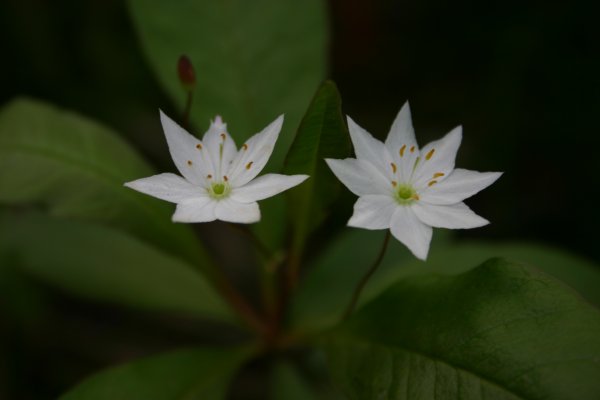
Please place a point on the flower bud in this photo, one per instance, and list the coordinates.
(186, 73)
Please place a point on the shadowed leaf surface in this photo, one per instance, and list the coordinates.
(201, 374)
(499, 331)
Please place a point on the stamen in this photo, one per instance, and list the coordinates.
(209, 176)
(402, 150)
(189, 162)
(199, 146)
(245, 146)
(223, 136)
(416, 197)
(393, 167)
(430, 154)
(225, 178)
(249, 165)
(431, 183)
(438, 174)
(394, 183)
(412, 149)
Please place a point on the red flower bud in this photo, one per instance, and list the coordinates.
(186, 73)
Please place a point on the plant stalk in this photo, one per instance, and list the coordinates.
(366, 277)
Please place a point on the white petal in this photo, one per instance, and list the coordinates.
(169, 187)
(373, 212)
(456, 216)
(220, 146)
(409, 230)
(459, 185)
(266, 186)
(233, 211)
(254, 154)
(402, 131)
(401, 143)
(367, 148)
(202, 210)
(438, 157)
(359, 176)
(188, 153)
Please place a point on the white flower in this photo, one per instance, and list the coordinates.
(218, 180)
(406, 189)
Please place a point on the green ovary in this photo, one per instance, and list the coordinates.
(219, 190)
(405, 194)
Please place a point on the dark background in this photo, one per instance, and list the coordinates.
(521, 77)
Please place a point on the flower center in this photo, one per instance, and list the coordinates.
(219, 190)
(405, 194)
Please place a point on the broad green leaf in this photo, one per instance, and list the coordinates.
(322, 134)
(254, 60)
(577, 272)
(73, 167)
(328, 285)
(202, 374)
(288, 384)
(102, 263)
(499, 331)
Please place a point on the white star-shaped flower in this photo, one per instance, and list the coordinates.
(406, 189)
(218, 180)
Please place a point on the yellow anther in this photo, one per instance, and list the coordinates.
(438, 174)
(245, 146)
(430, 154)
(394, 183)
(416, 197)
(225, 178)
(249, 165)
(189, 162)
(402, 150)
(431, 183)
(412, 149)
(393, 167)
(199, 146)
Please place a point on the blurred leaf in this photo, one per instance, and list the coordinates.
(202, 374)
(288, 384)
(74, 167)
(328, 286)
(499, 331)
(254, 60)
(322, 134)
(104, 264)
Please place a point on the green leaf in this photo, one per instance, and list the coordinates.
(73, 167)
(322, 134)
(254, 60)
(202, 373)
(577, 272)
(499, 331)
(288, 384)
(102, 263)
(328, 286)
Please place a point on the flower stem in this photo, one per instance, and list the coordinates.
(188, 109)
(239, 304)
(258, 244)
(268, 272)
(366, 277)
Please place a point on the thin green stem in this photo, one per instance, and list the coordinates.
(366, 277)
(256, 242)
(239, 303)
(188, 109)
